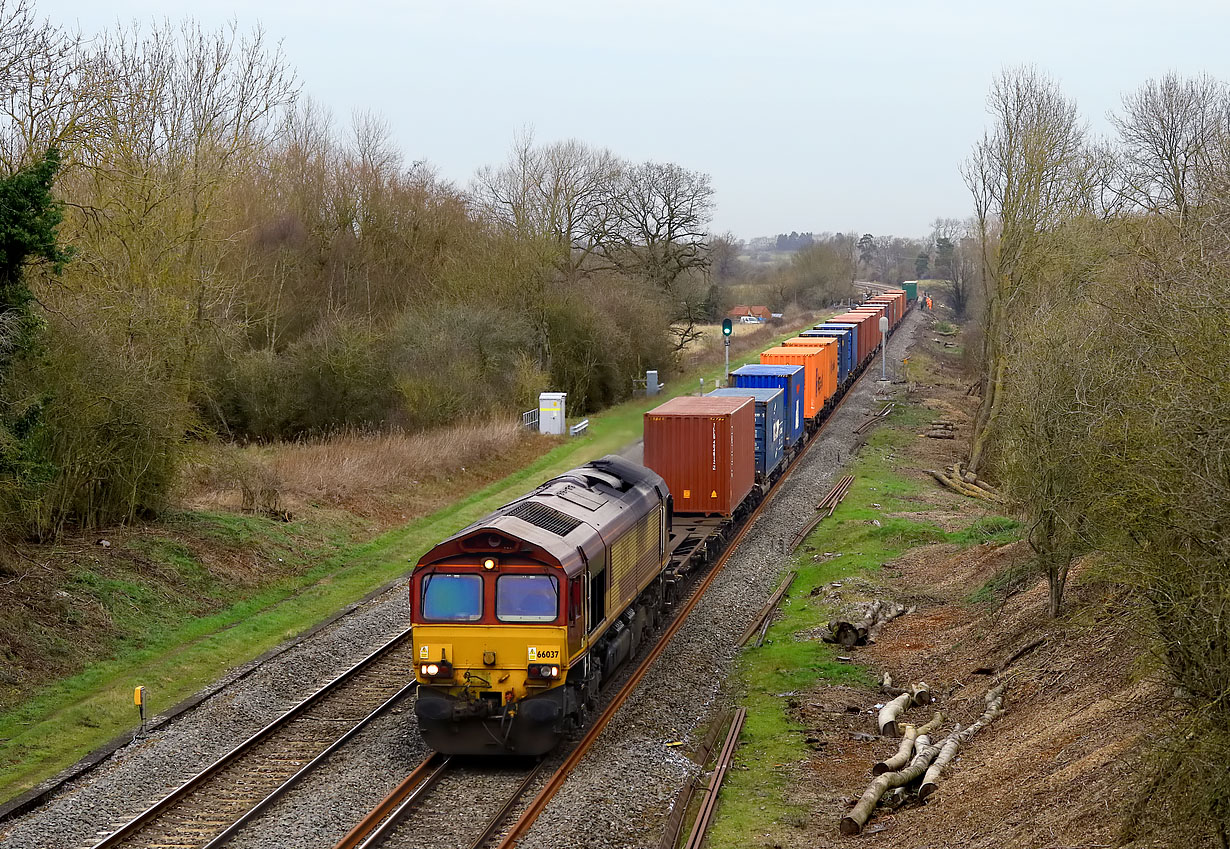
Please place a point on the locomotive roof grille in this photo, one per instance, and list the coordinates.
(547, 518)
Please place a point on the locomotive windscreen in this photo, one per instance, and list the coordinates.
(452, 598)
(527, 598)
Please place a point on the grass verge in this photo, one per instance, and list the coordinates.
(172, 649)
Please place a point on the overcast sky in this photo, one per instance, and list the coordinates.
(808, 115)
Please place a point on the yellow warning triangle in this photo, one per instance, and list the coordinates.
(713, 494)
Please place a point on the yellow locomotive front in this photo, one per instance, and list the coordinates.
(491, 640)
(519, 618)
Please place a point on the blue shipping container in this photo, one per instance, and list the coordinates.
(788, 378)
(845, 358)
(770, 425)
(853, 328)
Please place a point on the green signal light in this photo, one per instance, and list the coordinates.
(727, 327)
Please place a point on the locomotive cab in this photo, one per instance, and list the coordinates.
(492, 644)
(519, 617)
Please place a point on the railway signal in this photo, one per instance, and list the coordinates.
(728, 328)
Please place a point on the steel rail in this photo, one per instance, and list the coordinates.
(707, 807)
(264, 804)
(393, 801)
(179, 794)
(498, 820)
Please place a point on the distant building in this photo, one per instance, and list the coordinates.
(758, 313)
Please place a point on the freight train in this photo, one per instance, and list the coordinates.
(520, 618)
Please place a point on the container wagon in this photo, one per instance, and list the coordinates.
(845, 353)
(831, 370)
(789, 379)
(814, 362)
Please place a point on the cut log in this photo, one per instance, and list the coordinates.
(850, 633)
(891, 712)
(994, 700)
(902, 757)
(930, 725)
(947, 752)
(962, 487)
(887, 614)
(853, 822)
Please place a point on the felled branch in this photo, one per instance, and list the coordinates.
(919, 694)
(850, 634)
(994, 699)
(853, 822)
(953, 478)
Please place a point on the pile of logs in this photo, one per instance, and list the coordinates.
(850, 632)
(964, 482)
(941, 429)
(918, 763)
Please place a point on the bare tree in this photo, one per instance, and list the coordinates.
(1170, 136)
(50, 88)
(659, 235)
(1026, 176)
(558, 194)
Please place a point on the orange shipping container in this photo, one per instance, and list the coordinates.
(705, 450)
(832, 348)
(815, 364)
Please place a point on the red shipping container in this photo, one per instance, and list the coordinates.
(890, 306)
(705, 450)
(868, 330)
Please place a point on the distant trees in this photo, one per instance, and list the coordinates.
(958, 259)
(794, 241)
(244, 267)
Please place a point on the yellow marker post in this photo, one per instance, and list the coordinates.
(138, 699)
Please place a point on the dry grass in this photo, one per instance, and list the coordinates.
(343, 465)
(350, 469)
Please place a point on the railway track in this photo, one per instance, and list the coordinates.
(557, 779)
(208, 809)
(446, 802)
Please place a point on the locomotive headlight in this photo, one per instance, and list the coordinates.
(439, 669)
(554, 671)
(489, 563)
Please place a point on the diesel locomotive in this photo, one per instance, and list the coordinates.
(520, 617)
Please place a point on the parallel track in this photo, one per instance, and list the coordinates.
(210, 807)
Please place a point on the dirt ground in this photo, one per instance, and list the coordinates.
(1059, 768)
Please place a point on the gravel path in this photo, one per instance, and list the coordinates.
(621, 794)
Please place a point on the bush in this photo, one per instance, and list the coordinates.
(102, 425)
